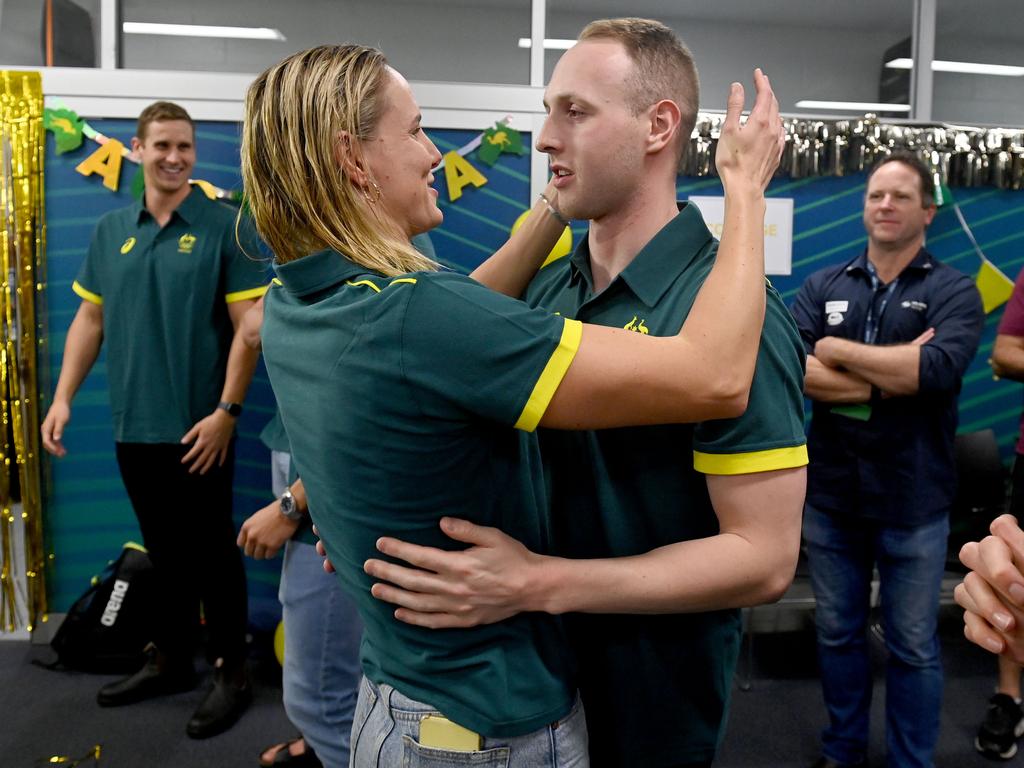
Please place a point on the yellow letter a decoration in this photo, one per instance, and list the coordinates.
(106, 161)
(458, 172)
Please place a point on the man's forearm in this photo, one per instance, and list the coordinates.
(242, 361)
(750, 562)
(827, 385)
(722, 571)
(81, 348)
(893, 369)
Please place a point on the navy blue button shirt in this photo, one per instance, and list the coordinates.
(896, 466)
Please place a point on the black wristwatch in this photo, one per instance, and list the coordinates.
(233, 409)
(288, 506)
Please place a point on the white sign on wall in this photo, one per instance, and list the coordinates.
(778, 229)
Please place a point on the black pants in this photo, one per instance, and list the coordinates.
(187, 527)
(1017, 489)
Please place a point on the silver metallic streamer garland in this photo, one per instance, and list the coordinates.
(963, 156)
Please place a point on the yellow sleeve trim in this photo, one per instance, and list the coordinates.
(748, 463)
(251, 293)
(89, 296)
(403, 280)
(551, 376)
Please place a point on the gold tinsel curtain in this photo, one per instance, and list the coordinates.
(22, 248)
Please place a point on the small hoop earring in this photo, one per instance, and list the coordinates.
(376, 193)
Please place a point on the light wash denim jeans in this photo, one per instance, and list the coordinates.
(387, 726)
(841, 554)
(322, 631)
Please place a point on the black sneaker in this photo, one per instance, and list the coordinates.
(1004, 724)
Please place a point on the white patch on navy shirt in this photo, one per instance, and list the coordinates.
(834, 318)
(917, 306)
(836, 306)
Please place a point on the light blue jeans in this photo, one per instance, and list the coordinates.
(322, 631)
(841, 553)
(387, 726)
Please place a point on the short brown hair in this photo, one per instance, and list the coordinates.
(158, 112)
(918, 166)
(663, 67)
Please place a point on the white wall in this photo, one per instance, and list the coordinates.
(801, 61)
(811, 49)
(440, 41)
(972, 99)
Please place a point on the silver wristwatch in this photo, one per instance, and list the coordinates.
(288, 506)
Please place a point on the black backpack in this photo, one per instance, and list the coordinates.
(107, 629)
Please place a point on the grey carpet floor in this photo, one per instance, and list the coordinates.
(773, 725)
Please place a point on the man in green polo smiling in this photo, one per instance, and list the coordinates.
(683, 523)
(164, 283)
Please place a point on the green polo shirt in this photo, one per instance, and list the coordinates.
(276, 439)
(656, 687)
(399, 396)
(164, 293)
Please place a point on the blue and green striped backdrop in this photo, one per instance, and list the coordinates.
(88, 516)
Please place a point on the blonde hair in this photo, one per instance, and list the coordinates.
(301, 197)
(663, 67)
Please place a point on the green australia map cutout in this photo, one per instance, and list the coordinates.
(66, 127)
(500, 139)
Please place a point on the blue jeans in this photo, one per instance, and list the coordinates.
(387, 728)
(322, 632)
(841, 553)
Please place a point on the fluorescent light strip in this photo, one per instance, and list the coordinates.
(853, 106)
(550, 43)
(201, 30)
(964, 67)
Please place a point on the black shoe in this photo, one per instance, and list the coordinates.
(159, 676)
(223, 705)
(827, 762)
(1004, 724)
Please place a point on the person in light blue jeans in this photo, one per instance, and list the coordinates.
(383, 710)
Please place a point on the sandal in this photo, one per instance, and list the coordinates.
(283, 756)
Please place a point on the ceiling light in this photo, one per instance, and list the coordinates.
(201, 30)
(550, 43)
(853, 106)
(965, 67)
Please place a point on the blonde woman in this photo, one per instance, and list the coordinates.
(409, 393)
